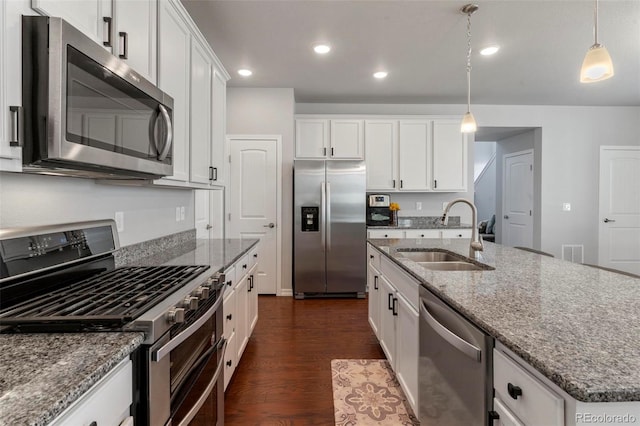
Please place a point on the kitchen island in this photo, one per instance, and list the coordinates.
(42, 375)
(578, 326)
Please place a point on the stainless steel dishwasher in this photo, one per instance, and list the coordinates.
(454, 370)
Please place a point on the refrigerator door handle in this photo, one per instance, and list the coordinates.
(323, 209)
(328, 216)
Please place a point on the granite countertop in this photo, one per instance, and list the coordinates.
(42, 374)
(579, 326)
(425, 222)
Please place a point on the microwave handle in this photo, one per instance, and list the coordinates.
(168, 140)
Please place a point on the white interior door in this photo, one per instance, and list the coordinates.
(517, 199)
(253, 195)
(619, 230)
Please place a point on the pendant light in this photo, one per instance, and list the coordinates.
(468, 124)
(597, 65)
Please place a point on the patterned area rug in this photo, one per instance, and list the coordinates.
(366, 392)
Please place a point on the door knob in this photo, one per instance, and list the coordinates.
(271, 225)
(506, 216)
(208, 227)
(606, 220)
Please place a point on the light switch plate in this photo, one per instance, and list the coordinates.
(418, 205)
(566, 207)
(182, 213)
(177, 214)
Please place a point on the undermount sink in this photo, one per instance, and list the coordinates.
(450, 266)
(441, 261)
(429, 256)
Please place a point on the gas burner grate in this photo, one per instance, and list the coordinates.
(104, 301)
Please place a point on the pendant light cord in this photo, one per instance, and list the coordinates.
(469, 62)
(595, 27)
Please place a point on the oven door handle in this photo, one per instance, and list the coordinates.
(171, 344)
(205, 395)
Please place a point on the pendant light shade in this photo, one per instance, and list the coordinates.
(468, 123)
(597, 64)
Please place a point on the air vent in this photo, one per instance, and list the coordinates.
(573, 253)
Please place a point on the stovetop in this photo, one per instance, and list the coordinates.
(105, 301)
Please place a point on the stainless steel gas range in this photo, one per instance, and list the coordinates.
(63, 278)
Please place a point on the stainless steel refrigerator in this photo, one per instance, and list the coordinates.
(330, 234)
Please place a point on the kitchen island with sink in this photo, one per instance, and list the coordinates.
(575, 328)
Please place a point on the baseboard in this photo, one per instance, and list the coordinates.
(286, 292)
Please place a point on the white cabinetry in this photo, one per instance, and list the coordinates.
(10, 77)
(327, 138)
(240, 309)
(381, 140)
(106, 403)
(419, 233)
(86, 15)
(422, 233)
(385, 233)
(173, 78)
(200, 107)
(134, 35)
(219, 130)
(395, 314)
(449, 157)
(414, 154)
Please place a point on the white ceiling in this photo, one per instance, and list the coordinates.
(422, 44)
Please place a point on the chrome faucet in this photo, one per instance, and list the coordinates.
(476, 240)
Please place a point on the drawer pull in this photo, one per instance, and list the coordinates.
(514, 391)
(370, 256)
(229, 316)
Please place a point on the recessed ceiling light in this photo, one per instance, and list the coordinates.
(245, 72)
(380, 74)
(322, 49)
(487, 51)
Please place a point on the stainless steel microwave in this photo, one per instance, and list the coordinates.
(86, 112)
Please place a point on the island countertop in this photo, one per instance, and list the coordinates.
(578, 326)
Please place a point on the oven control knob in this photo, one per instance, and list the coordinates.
(175, 315)
(190, 303)
(202, 293)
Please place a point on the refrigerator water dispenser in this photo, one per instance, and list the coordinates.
(310, 219)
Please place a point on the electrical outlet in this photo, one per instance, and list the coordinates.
(566, 207)
(182, 213)
(418, 205)
(177, 214)
(120, 221)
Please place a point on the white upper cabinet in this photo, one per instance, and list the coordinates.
(381, 140)
(219, 119)
(327, 138)
(134, 35)
(173, 78)
(10, 75)
(201, 91)
(347, 139)
(86, 15)
(414, 153)
(312, 138)
(449, 157)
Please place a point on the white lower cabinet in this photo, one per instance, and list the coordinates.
(526, 397)
(240, 309)
(385, 233)
(422, 233)
(106, 403)
(456, 233)
(419, 233)
(505, 417)
(393, 313)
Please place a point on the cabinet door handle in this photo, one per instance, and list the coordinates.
(324, 151)
(390, 302)
(395, 307)
(229, 316)
(394, 183)
(514, 391)
(125, 41)
(422, 235)
(332, 151)
(17, 135)
(401, 183)
(210, 173)
(229, 283)
(229, 363)
(107, 20)
(435, 184)
(375, 282)
(370, 256)
(255, 255)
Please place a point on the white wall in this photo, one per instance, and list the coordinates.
(28, 200)
(485, 192)
(269, 112)
(570, 143)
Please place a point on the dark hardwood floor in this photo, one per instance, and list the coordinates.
(284, 377)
